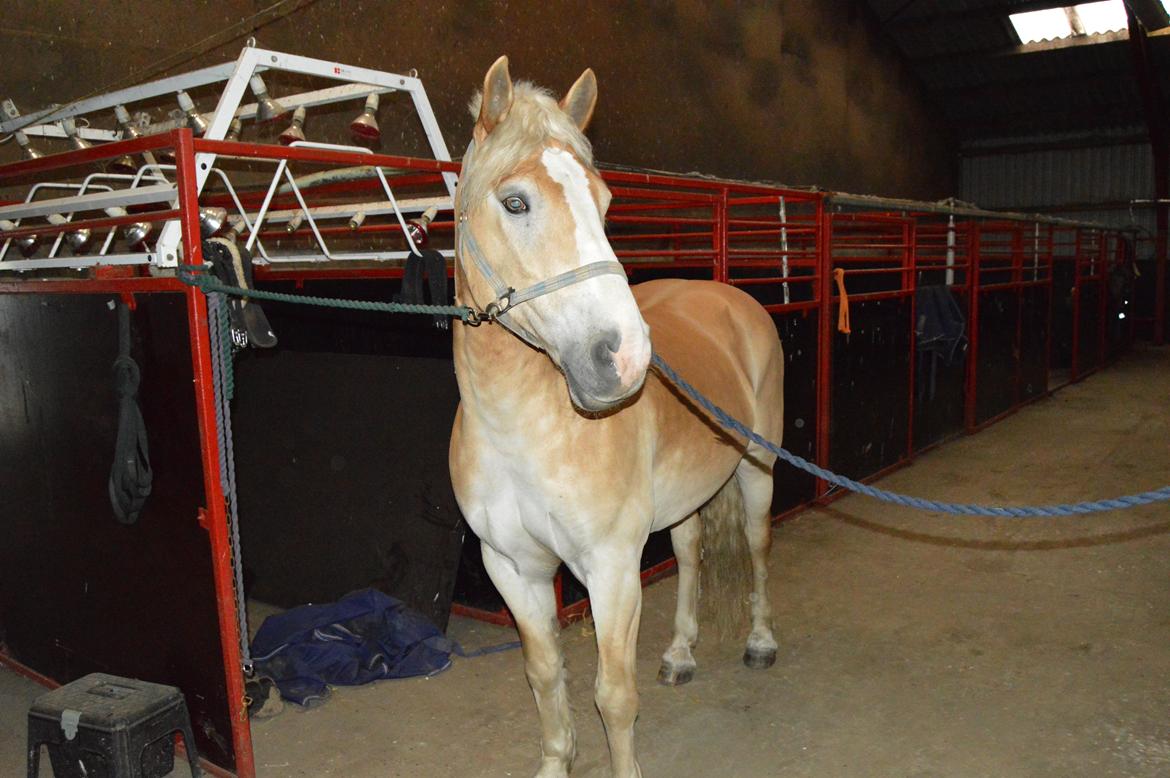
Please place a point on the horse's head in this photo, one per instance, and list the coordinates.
(532, 209)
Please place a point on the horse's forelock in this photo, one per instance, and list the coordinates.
(534, 119)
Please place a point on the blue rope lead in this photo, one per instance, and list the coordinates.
(960, 509)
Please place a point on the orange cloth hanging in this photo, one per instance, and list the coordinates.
(843, 308)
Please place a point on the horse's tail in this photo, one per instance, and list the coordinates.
(725, 572)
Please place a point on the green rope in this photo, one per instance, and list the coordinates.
(192, 276)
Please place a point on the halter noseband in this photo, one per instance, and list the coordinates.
(506, 297)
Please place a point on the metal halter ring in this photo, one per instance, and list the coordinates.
(492, 310)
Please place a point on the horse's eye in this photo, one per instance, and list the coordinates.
(515, 204)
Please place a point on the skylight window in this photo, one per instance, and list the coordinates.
(1072, 21)
(1100, 18)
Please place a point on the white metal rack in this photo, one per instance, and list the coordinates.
(154, 183)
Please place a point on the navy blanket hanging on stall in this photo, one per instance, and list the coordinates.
(940, 332)
(365, 636)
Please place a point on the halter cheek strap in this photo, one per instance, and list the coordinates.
(507, 297)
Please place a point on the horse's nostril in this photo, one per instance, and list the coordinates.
(604, 348)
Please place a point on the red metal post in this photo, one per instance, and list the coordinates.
(217, 525)
(825, 340)
(1018, 283)
(722, 273)
(1076, 308)
(973, 283)
(910, 285)
(1051, 251)
(1103, 299)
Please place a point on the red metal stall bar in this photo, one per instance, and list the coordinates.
(216, 510)
(770, 245)
(271, 152)
(98, 153)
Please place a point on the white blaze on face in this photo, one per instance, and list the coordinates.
(592, 246)
(588, 234)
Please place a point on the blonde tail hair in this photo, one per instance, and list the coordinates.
(725, 570)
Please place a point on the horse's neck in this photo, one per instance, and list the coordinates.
(505, 385)
(503, 382)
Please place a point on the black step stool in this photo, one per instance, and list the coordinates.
(103, 726)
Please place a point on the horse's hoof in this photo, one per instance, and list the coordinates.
(759, 659)
(675, 676)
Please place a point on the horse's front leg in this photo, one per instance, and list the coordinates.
(615, 596)
(531, 598)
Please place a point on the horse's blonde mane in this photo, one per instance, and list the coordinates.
(533, 120)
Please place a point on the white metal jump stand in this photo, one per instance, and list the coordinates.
(154, 183)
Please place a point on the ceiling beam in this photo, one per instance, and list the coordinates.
(1001, 11)
(991, 87)
(953, 58)
(1149, 12)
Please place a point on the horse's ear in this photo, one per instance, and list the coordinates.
(581, 99)
(497, 98)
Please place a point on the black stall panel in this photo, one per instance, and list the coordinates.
(1120, 310)
(1033, 342)
(1144, 300)
(80, 592)
(870, 393)
(1063, 279)
(798, 335)
(341, 438)
(996, 360)
(638, 275)
(940, 388)
(1089, 336)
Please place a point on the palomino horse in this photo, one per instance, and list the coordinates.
(544, 475)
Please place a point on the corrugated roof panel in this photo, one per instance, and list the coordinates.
(1035, 179)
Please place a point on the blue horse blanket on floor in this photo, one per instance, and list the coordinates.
(365, 636)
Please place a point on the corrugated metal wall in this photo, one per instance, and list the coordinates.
(1045, 180)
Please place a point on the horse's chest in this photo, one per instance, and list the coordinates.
(513, 498)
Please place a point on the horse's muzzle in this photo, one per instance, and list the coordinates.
(602, 373)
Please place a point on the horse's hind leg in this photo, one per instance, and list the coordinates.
(678, 663)
(755, 480)
(533, 605)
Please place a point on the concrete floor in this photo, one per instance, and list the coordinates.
(911, 644)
